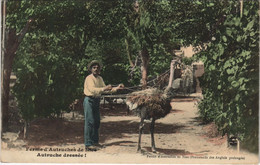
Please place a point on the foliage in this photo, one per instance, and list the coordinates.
(230, 83)
(148, 29)
(65, 36)
(44, 84)
(48, 74)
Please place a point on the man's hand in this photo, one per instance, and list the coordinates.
(120, 86)
(107, 88)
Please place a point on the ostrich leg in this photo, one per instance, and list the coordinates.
(152, 134)
(141, 126)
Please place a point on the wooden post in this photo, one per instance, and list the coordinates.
(25, 130)
(171, 73)
(238, 145)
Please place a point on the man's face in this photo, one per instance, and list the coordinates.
(95, 69)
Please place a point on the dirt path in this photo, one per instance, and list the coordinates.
(179, 133)
(179, 138)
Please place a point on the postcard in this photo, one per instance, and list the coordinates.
(129, 82)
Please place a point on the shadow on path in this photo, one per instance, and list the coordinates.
(168, 151)
(60, 132)
(121, 129)
(122, 143)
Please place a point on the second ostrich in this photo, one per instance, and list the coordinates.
(150, 104)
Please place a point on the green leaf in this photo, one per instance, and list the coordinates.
(252, 34)
(224, 126)
(30, 68)
(212, 67)
(237, 97)
(230, 71)
(250, 25)
(224, 38)
(230, 123)
(242, 87)
(221, 49)
(246, 11)
(229, 31)
(210, 5)
(242, 80)
(215, 56)
(235, 84)
(227, 64)
(245, 53)
(237, 21)
(239, 38)
(198, 3)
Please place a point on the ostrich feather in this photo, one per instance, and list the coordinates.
(149, 103)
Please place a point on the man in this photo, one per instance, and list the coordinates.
(94, 86)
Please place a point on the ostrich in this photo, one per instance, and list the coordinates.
(150, 104)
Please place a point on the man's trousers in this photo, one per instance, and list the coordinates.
(92, 120)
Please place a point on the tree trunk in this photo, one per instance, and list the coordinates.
(144, 54)
(128, 53)
(7, 68)
(12, 43)
(9, 54)
(241, 8)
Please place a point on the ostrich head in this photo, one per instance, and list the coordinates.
(169, 92)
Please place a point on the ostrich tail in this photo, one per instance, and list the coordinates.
(149, 103)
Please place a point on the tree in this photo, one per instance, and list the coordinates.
(51, 54)
(150, 31)
(12, 42)
(57, 51)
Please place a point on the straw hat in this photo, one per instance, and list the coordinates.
(94, 62)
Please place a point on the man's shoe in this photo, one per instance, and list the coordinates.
(91, 148)
(98, 145)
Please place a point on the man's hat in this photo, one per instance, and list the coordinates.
(94, 62)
